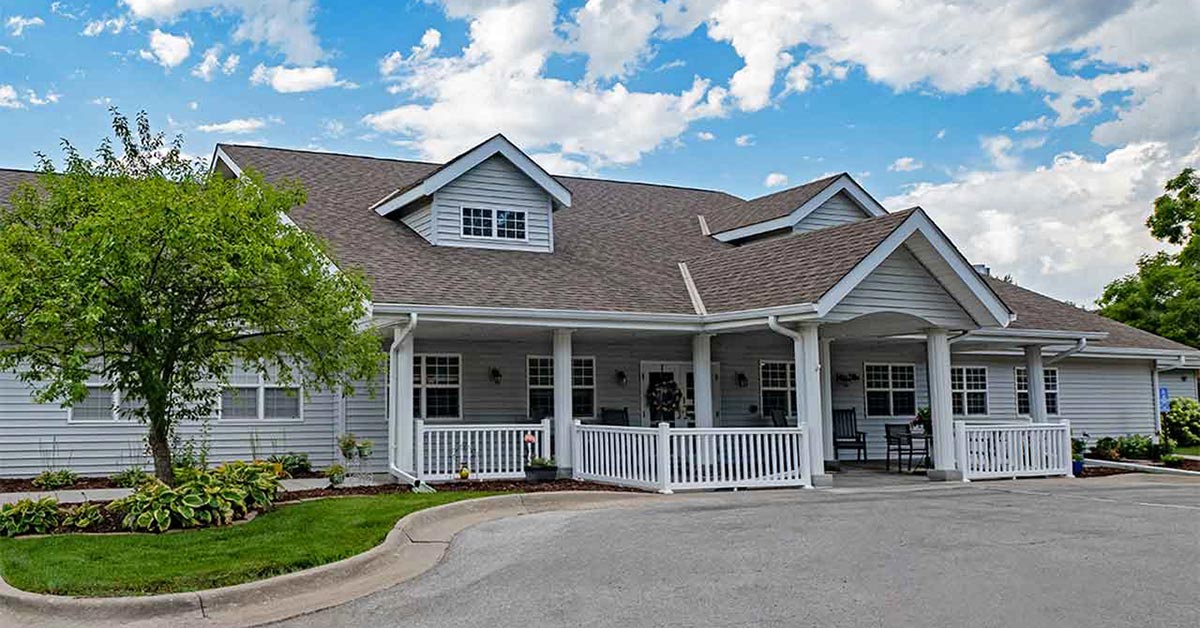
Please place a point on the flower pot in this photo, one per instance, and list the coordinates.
(1076, 467)
(541, 474)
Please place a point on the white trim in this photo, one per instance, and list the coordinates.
(220, 155)
(495, 222)
(987, 392)
(704, 230)
(844, 183)
(693, 293)
(419, 389)
(465, 162)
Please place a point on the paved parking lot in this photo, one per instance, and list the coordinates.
(1114, 551)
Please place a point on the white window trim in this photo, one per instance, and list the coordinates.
(793, 399)
(987, 391)
(529, 386)
(889, 389)
(115, 413)
(419, 389)
(495, 236)
(1057, 391)
(260, 389)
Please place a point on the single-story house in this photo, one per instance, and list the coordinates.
(513, 302)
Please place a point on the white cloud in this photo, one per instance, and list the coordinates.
(102, 101)
(1066, 228)
(286, 25)
(62, 10)
(744, 140)
(905, 164)
(6, 50)
(395, 61)
(940, 134)
(166, 49)
(1040, 123)
(293, 80)
(671, 65)
(333, 129)
(211, 63)
(775, 179)
(48, 98)
(193, 105)
(705, 136)
(112, 25)
(18, 23)
(614, 35)
(239, 126)
(9, 98)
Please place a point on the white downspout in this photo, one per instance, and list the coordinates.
(401, 335)
(1182, 363)
(1080, 345)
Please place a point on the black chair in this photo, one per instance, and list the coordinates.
(777, 418)
(901, 438)
(846, 434)
(614, 416)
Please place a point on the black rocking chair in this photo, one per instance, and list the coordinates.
(846, 434)
(901, 438)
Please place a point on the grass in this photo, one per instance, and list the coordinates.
(1188, 451)
(291, 538)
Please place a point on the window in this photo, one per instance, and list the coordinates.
(507, 224)
(777, 383)
(251, 397)
(891, 389)
(969, 390)
(1050, 381)
(437, 386)
(102, 404)
(540, 379)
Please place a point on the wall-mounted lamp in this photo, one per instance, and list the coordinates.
(495, 375)
(742, 380)
(622, 378)
(845, 378)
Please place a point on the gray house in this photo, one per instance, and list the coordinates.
(654, 336)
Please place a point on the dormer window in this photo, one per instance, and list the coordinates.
(503, 224)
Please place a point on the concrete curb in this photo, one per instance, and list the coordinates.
(415, 544)
(1144, 468)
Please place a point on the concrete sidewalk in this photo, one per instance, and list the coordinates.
(69, 496)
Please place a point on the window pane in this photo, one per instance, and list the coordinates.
(1051, 403)
(1022, 380)
(1022, 403)
(582, 404)
(97, 406)
(281, 403)
(877, 376)
(956, 403)
(510, 224)
(583, 372)
(477, 222)
(417, 370)
(975, 378)
(879, 403)
(239, 403)
(441, 370)
(541, 403)
(775, 375)
(541, 371)
(775, 400)
(904, 403)
(1050, 377)
(956, 379)
(441, 403)
(977, 403)
(904, 377)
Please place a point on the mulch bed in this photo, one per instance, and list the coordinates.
(25, 485)
(1099, 472)
(497, 486)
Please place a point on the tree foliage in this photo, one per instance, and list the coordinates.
(148, 271)
(1163, 296)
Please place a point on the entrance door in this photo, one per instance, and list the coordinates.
(654, 373)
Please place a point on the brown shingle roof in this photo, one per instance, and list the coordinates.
(764, 208)
(10, 179)
(789, 269)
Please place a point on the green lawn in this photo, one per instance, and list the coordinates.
(1188, 451)
(290, 538)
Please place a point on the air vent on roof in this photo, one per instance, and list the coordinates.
(983, 269)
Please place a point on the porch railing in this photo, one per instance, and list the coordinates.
(668, 459)
(1012, 450)
(490, 452)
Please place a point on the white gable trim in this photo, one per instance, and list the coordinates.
(219, 155)
(498, 145)
(993, 311)
(842, 184)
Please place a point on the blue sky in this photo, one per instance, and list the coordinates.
(1037, 136)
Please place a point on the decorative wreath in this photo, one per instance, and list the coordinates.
(665, 398)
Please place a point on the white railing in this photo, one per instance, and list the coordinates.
(1012, 450)
(489, 452)
(668, 459)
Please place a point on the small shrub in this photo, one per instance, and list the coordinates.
(1106, 449)
(1134, 446)
(132, 477)
(1182, 422)
(54, 480)
(293, 463)
(82, 517)
(1078, 448)
(259, 480)
(541, 463)
(29, 516)
(336, 474)
(207, 498)
(1165, 446)
(1173, 461)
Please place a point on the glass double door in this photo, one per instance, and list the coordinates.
(657, 374)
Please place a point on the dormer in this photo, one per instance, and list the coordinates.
(491, 197)
(827, 202)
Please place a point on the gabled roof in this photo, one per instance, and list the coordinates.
(785, 208)
(10, 179)
(453, 169)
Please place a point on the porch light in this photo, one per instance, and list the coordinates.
(845, 378)
(622, 378)
(494, 375)
(742, 380)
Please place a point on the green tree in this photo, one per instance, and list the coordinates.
(1163, 296)
(147, 270)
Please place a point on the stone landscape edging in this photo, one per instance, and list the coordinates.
(1144, 468)
(415, 544)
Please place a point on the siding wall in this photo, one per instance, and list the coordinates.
(1179, 383)
(902, 284)
(493, 184)
(421, 221)
(838, 210)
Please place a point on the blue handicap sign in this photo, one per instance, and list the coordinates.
(1164, 400)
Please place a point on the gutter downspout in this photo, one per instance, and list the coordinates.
(393, 399)
(773, 323)
(1179, 365)
(1080, 345)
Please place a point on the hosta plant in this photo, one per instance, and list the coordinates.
(29, 516)
(259, 480)
(292, 463)
(132, 477)
(54, 480)
(82, 517)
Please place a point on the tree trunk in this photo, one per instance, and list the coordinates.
(159, 440)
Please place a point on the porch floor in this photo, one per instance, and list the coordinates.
(871, 474)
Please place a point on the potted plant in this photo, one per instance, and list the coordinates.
(1078, 446)
(923, 422)
(541, 470)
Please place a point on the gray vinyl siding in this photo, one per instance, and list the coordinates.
(366, 418)
(421, 221)
(902, 284)
(840, 209)
(1179, 383)
(494, 184)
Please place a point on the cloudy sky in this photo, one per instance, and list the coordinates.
(1036, 133)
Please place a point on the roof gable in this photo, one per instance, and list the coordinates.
(785, 209)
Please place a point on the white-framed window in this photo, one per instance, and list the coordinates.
(437, 386)
(891, 389)
(502, 224)
(249, 396)
(969, 390)
(103, 404)
(777, 387)
(1050, 381)
(539, 371)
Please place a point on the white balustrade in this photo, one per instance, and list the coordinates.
(489, 452)
(1012, 450)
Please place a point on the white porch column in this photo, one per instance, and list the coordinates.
(941, 407)
(562, 400)
(402, 401)
(702, 376)
(1035, 378)
(827, 398)
(807, 350)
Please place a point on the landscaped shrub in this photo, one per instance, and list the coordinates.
(81, 517)
(293, 463)
(1106, 449)
(336, 474)
(259, 480)
(213, 498)
(1135, 446)
(54, 480)
(1182, 422)
(29, 516)
(132, 477)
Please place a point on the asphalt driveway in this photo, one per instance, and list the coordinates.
(1100, 552)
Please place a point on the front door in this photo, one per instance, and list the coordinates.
(654, 373)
